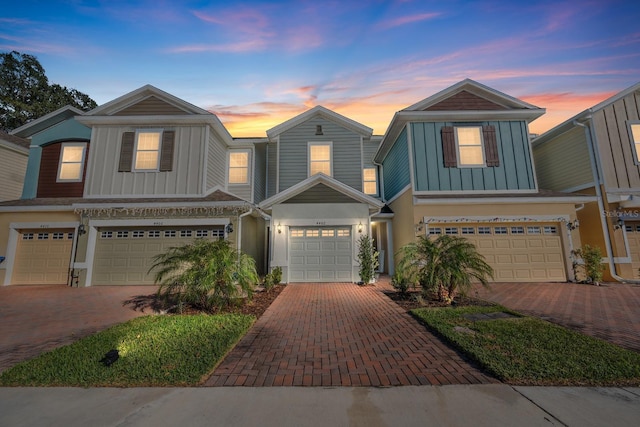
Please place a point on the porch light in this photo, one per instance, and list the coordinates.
(619, 224)
(572, 225)
(279, 228)
(360, 227)
(228, 228)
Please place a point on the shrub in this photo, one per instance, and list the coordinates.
(274, 277)
(401, 283)
(592, 267)
(205, 274)
(368, 259)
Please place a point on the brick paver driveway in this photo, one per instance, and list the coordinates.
(340, 334)
(34, 319)
(610, 312)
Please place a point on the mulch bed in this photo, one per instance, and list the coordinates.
(412, 300)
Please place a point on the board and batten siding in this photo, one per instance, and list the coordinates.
(216, 163)
(259, 173)
(515, 171)
(563, 163)
(395, 167)
(614, 142)
(346, 157)
(185, 178)
(13, 165)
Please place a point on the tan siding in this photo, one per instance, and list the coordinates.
(12, 169)
(553, 169)
(216, 163)
(614, 143)
(151, 106)
(184, 179)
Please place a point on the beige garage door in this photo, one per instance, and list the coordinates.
(42, 257)
(123, 256)
(633, 237)
(320, 254)
(517, 252)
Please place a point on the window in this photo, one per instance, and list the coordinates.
(297, 233)
(27, 236)
(71, 162)
(344, 232)
(328, 233)
(451, 230)
(500, 230)
(628, 228)
(313, 233)
(106, 234)
(239, 167)
(370, 182)
(435, 230)
(484, 230)
(319, 159)
(219, 233)
(43, 236)
(469, 143)
(154, 234)
(186, 233)
(57, 236)
(533, 230)
(170, 233)
(147, 155)
(517, 230)
(137, 234)
(202, 233)
(468, 230)
(550, 229)
(122, 234)
(634, 130)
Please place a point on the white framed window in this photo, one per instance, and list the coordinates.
(628, 228)
(58, 235)
(71, 162)
(320, 158)
(500, 230)
(550, 229)
(239, 167)
(634, 135)
(370, 181)
(468, 230)
(533, 230)
(202, 233)
(170, 233)
(344, 232)
(154, 234)
(106, 234)
(186, 233)
(517, 230)
(469, 146)
(27, 236)
(43, 236)
(451, 230)
(137, 234)
(328, 232)
(313, 233)
(297, 233)
(484, 230)
(147, 150)
(122, 234)
(435, 230)
(219, 233)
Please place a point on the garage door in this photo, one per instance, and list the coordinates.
(633, 237)
(517, 252)
(42, 257)
(320, 254)
(123, 256)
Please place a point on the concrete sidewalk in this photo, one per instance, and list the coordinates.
(454, 405)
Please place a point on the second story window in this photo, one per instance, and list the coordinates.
(147, 153)
(370, 182)
(320, 158)
(635, 136)
(469, 143)
(239, 167)
(71, 162)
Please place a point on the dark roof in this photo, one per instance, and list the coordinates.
(216, 196)
(14, 139)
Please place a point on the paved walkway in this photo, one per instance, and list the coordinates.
(340, 334)
(35, 319)
(610, 312)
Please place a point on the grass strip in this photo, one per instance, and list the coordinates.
(154, 351)
(529, 351)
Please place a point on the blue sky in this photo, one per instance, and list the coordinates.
(258, 63)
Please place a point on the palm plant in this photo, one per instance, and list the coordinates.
(447, 265)
(205, 274)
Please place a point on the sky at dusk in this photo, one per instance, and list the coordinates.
(258, 63)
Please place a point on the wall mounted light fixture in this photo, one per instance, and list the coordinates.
(360, 227)
(228, 228)
(572, 225)
(279, 228)
(619, 224)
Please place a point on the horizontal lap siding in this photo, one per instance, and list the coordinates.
(395, 167)
(216, 163)
(368, 152)
(12, 169)
(345, 153)
(47, 179)
(259, 173)
(553, 169)
(272, 169)
(515, 171)
(185, 178)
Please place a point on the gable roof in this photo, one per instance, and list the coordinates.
(569, 124)
(325, 113)
(15, 142)
(46, 121)
(322, 179)
(472, 101)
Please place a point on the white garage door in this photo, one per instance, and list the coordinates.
(123, 256)
(320, 254)
(517, 252)
(42, 257)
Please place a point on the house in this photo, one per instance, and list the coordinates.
(597, 152)
(460, 163)
(108, 189)
(14, 152)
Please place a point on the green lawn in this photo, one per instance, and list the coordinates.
(529, 351)
(154, 351)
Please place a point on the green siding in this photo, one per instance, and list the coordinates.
(395, 167)
(514, 173)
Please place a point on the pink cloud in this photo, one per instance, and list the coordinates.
(408, 19)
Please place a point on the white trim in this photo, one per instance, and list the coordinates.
(636, 153)
(12, 244)
(326, 222)
(325, 113)
(42, 123)
(531, 156)
(277, 166)
(82, 160)
(621, 260)
(203, 119)
(400, 193)
(482, 147)
(248, 167)
(578, 187)
(412, 180)
(205, 157)
(39, 208)
(160, 133)
(322, 144)
(375, 171)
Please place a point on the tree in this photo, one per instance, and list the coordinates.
(205, 274)
(25, 92)
(367, 258)
(447, 265)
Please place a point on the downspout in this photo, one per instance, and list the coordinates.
(595, 166)
(249, 212)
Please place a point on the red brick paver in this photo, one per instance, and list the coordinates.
(35, 319)
(340, 334)
(610, 312)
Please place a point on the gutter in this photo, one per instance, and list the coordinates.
(597, 173)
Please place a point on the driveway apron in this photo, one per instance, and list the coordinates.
(340, 334)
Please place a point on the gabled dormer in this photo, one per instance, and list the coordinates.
(58, 154)
(466, 138)
(321, 141)
(149, 143)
